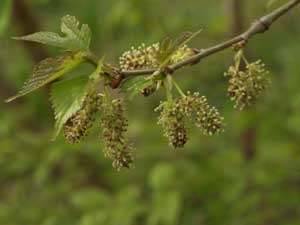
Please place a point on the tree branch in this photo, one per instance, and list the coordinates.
(259, 26)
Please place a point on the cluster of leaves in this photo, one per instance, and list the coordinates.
(89, 95)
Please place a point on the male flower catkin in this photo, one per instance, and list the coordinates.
(175, 115)
(114, 125)
(172, 119)
(247, 86)
(78, 125)
(207, 118)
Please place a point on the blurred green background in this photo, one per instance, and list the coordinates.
(250, 175)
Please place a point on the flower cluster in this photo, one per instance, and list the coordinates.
(114, 125)
(248, 85)
(79, 124)
(172, 118)
(145, 57)
(176, 113)
(207, 117)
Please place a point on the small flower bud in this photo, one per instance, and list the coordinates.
(146, 92)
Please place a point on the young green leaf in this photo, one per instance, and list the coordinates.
(75, 38)
(49, 70)
(76, 90)
(168, 46)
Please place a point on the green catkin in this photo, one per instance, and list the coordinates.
(192, 107)
(245, 87)
(207, 118)
(78, 125)
(172, 119)
(114, 126)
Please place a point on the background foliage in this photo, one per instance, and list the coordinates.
(249, 175)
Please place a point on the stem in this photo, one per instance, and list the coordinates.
(245, 59)
(169, 86)
(92, 58)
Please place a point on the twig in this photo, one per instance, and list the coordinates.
(259, 26)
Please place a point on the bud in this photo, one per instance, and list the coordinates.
(148, 91)
(114, 125)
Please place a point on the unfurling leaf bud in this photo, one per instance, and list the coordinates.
(245, 87)
(145, 57)
(114, 125)
(79, 124)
